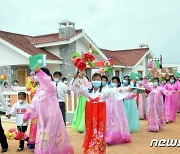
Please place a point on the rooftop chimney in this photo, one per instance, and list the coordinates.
(66, 29)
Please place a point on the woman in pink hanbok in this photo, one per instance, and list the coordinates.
(117, 129)
(178, 87)
(156, 106)
(142, 104)
(171, 102)
(51, 137)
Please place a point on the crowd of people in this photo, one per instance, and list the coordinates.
(108, 110)
(7, 87)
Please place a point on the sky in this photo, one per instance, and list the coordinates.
(111, 24)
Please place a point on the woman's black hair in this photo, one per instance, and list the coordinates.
(105, 77)
(57, 73)
(118, 80)
(87, 78)
(173, 77)
(63, 79)
(5, 83)
(16, 81)
(45, 70)
(128, 79)
(167, 80)
(94, 76)
(156, 79)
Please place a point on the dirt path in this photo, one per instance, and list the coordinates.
(140, 140)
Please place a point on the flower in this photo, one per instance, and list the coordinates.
(81, 65)
(3, 77)
(20, 136)
(75, 61)
(88, 56)
(12, 130)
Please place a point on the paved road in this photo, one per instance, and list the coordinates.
(140, 140)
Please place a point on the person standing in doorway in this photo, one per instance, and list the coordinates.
(15, 85)
(62, 90)
(3, 139)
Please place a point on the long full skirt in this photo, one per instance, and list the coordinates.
(155, 114)
(95, 121)
(117, 129)
(171, 107)
(132, 114)
(142, 106)
(79, 115)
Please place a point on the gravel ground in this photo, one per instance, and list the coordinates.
(140, 140)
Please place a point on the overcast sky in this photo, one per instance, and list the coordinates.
(111, 24)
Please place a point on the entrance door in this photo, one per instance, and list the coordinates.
(21, 78)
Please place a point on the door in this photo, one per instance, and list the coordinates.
(22, 78)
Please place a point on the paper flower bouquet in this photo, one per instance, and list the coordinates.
(86, 60)
(14, 134)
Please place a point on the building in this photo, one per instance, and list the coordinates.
(130, 60)
(174, 67)
(17, 48)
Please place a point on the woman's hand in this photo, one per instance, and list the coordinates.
(120, 90)
(8, 116)
(76, 76)
(37, 69)
(24, 120)
(130, 89)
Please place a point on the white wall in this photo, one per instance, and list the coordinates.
(141, 67)
(83, 46)
(127, 71)
(10, 57)
(53, 67)
(54, 50)
(174, 66)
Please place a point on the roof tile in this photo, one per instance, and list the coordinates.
(126, 57)
(26, 43)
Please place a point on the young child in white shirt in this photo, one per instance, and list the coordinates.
(19, 108)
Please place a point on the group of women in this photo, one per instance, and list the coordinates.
(108, 111)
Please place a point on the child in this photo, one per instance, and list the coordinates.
(19, 108)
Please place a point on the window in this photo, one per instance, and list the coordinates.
(140, 72)
(117, 73)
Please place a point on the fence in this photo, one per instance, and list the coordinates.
(71, 100)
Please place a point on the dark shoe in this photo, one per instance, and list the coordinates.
(167, 122)
(20, 149)
(3, 150)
